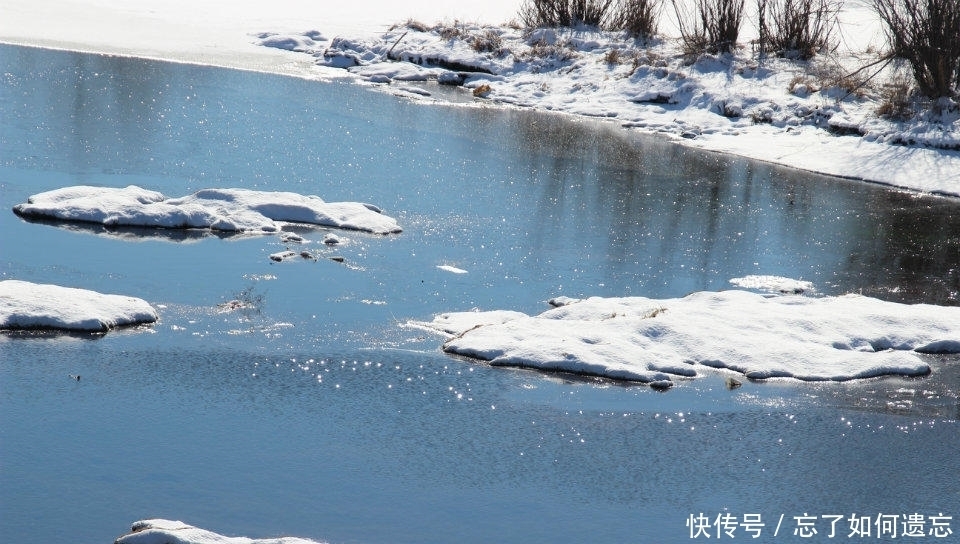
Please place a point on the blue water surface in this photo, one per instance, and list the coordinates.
(311, 410)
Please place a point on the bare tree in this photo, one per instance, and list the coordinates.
(927, 34)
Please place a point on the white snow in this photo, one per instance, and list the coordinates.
(760, 336)
(216, 32)
(162, 531)
(26, 305)
(234, 210)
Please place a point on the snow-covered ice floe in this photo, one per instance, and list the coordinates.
(654, 340)
(26, 305)
(774, 284)
(162, 531)
(232, 210)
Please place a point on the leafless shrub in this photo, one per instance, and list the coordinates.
(802, 85)
(711, 26)
(454, 31)
(412, 24)
(830, 74)
(561, 51)
(797, 28)
(926, 33)
(896, 98)
(637, 17)
(487, 42)
(612, 56)
(564, 13)
(762, 116)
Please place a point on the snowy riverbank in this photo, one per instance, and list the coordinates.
(806, 115)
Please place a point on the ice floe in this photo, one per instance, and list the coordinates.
(162, 531)
(760, 336)
(452, 269)
(230, 210)
(26, 305)
(774, 284)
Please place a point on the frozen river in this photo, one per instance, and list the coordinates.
(312, 412)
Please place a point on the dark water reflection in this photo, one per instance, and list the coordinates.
(714, 213)
(312, 412)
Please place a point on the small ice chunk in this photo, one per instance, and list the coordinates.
(282, 255)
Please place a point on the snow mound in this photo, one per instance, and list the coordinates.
(306, 42)
(161, 531)
(651, 341)
(26, 305)
(232, 210)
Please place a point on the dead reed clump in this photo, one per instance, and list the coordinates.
(711, 26)
(797, 29)
(482, 91)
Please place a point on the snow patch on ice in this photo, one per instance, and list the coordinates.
(774, 284)
(26, 305)
(231, 210)
(650, 340)
(162, 531)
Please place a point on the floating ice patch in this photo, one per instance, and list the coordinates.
(650, 340)
(161, 531)
(774, 284)
(26, 305)
(282, 255)
(233, 210)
